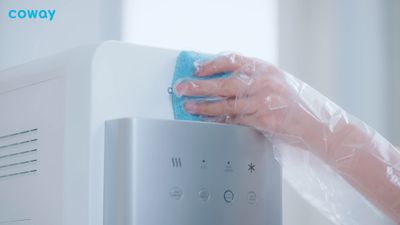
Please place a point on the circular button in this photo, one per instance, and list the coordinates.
(228, 196)
(204, 194)
(252, 197)
(176, 193)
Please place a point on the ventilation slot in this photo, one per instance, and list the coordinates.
(18, 153)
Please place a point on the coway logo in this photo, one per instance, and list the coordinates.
(32, 14)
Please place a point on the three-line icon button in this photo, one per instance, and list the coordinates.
(176, 162)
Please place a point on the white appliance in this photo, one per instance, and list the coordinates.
(53, 114)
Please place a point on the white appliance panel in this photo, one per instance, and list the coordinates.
(31, 154)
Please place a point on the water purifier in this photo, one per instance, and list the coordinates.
(88, 137)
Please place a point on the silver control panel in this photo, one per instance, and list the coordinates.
(162, 172)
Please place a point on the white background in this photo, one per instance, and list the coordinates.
(248, 27)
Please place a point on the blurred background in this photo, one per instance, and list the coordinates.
(348, 50)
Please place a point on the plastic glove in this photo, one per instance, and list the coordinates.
(285, 109)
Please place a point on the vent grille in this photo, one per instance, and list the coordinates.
(18, 153)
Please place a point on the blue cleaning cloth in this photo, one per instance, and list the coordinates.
(185, 69)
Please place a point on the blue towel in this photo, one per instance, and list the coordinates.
(185, 69)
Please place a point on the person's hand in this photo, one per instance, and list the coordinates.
(257, 94)
(260, 95)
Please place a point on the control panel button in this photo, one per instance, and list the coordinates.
(228, 196)
(204, 194)
(176, 162)
(228, 166)
(252, 167)
(176, 193)
(203, 164)
(252, 197)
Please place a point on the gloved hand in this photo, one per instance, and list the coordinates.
(285, 109)
(260, 95)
